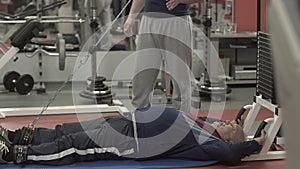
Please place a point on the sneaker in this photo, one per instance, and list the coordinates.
(5, 148)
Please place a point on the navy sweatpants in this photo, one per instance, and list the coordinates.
(100, 139)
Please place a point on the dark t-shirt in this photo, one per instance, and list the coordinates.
(159, 6)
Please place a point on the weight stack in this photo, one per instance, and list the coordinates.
(265, 75)
(98, 91)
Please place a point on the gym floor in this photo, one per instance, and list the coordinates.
(239, 97)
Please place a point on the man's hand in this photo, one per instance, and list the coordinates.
(261, 140)
(171, 4)
(240, 122)
(128, 26)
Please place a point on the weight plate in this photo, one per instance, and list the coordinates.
(24, 84)
(10, 80)
(61, 50)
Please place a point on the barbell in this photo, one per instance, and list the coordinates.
(61, 53)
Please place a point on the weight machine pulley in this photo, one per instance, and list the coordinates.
(96, 89)
(211, 85)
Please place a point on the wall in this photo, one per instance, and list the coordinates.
(245, 15)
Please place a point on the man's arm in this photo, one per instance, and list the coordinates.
(136, 7)
(171, 4)
(224, 152)
(230, 153)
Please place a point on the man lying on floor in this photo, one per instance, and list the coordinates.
(162, 133)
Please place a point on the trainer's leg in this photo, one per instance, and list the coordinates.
(104, 17)
(179, 62)
(148, 62)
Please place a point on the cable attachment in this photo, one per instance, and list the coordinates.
(20, 154)
(26, 135)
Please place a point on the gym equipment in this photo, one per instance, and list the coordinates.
(19, 40)
(20, 153)
(60, 51)
(265, 97)
(32, 11)
(14, 82)
(26, 136)
(211, 85)
(24, 84)
(10, 80)
(97, 90)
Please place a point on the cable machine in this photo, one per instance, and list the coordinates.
(96, 89)
(265, 97)
(211, 85)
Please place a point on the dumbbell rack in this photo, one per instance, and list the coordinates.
(265, 98)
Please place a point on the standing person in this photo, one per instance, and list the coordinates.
(164, 36)
(103, 8)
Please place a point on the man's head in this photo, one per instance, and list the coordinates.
(229, 131)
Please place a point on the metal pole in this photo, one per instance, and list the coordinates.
(216, 19)
(41, 86)
(94, 26)
(268, 3)
(207, 31)
(258, 15)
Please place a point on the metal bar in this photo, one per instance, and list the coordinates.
(264, 81)
(251, 118)
(8, 34)
(43, 21)
(265, 69)
(263, 42)
(264, 91)
(265, 66)
(263, 34)
(268, 79)
(258, 15)
(53, 17)
(79, 109)
(262, 39)
(271, 155)
(265, 62)
(266, 104)
(264, 49)
(264, 53)
(272, 132)
(8, 55)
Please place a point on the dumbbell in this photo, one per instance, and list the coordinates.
(13, 81)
